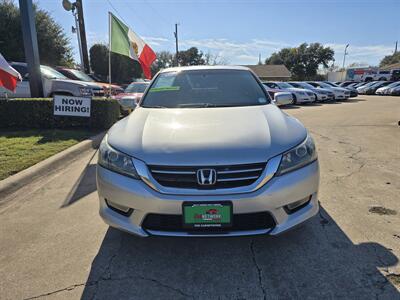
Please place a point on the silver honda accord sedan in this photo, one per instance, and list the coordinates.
(207, 153)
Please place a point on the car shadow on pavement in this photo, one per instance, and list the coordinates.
(316, 260)
(84, 185)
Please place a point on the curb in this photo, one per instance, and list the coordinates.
(16, 181)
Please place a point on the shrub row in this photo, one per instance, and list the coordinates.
(38, 113)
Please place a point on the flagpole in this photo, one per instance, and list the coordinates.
(109, 52)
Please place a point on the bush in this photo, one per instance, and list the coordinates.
(38, 113)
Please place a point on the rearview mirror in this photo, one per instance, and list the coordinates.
(128, 102)
(283, 98)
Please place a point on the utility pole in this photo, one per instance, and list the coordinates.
(395, 48)
(259, 59)
(31, 47)
(176, 44)
(344, 59)
(82, 35)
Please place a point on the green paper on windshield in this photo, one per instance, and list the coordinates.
(165, 89)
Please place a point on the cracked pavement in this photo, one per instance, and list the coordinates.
(53, 244)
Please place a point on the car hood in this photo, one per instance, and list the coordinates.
(127, 95)
(206, 136)
(75, 82)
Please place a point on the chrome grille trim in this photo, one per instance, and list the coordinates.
(239, 171)
(237, 179)
(172, 172)
(266, 175)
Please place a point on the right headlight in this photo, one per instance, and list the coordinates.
(298, 157)
(116, 161)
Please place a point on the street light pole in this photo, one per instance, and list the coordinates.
(176, 44)
(344, 59)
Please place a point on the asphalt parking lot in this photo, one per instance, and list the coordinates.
(54, 245)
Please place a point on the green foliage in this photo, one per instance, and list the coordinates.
(54, 47)
(20, 149)
(191, 57)
(303, 61)
(390, 59)
(165, 59)
(38, 113)
(123, 69)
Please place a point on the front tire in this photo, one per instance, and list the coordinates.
(294, 99)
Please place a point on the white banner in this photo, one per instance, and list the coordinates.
(71, 106)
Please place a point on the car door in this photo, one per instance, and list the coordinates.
(23, 89)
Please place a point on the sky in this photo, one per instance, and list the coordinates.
(239, 31)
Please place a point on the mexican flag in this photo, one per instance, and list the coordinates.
(124, 41)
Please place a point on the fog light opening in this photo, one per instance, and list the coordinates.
(297, 205)
(123, 210)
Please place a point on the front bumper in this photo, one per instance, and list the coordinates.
(272, 197)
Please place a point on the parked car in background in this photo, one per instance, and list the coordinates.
(271, 92)
(340, 93)
(377, 76)
(386, 89)
(54, 83)
(300, 96)
(372, 88)
(362, 89)
(353, 91)
(395, 91)
(133, 93)
(79, 75)
(320, 94)
(346, 83)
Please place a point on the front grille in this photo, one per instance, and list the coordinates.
(227, 176)
(240, 222)
(98, 93)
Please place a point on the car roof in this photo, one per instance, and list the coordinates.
(192, 68)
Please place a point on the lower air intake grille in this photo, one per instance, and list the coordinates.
(241, 222)
(184, 177)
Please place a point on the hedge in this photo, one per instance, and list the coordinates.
(38, 113)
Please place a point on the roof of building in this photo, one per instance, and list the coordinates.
(272, 71)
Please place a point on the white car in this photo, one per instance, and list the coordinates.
(386, 90)
(53, 83)
(340, 93)
(320, 94)
(300, 96)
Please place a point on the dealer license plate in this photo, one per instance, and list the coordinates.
(207, 215)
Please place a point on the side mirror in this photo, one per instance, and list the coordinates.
(128, 102)
(283, 98)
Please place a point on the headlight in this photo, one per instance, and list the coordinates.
(85, 91)
(116, 161)
(298, 157)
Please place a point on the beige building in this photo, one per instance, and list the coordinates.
(271, 72)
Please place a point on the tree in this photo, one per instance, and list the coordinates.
(191, 57)
(214, 59)
(303, 61)
(390, 59)
(165, 59)
(123, 69)
(54, 46)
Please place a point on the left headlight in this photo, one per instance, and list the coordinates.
(86, 91)
(298, 157)
(116, 161)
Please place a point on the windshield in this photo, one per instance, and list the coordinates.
(394, 84)
(283, 85)
(324, 85)
(136, 88)
(50, 73)
(205, 88)
(305, 85)
(80, 75)
(332, 84)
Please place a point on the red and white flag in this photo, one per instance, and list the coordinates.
(126, 42)
(8, 75)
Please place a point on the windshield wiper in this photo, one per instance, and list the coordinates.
(154, 106)
(197, 105)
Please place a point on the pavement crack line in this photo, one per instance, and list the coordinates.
(259, 270)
